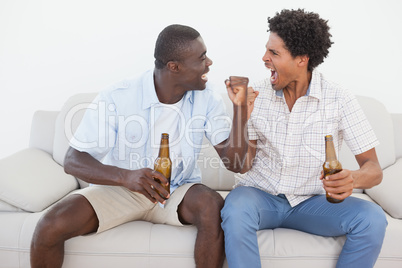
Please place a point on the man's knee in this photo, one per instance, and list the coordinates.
(201, 205)
(239, 201)
(209, 203)
(64, 221)
(377, 220)
(48, 230)
(371, 223)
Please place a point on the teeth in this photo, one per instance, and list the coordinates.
(204, 77)
(274, 75)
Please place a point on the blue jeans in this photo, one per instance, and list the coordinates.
(248, 210)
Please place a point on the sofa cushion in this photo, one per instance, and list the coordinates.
(42, 130)
(213, 171)
(31, 180)
(381, 122)
(397, 119)
(389, 190)
(4, 206)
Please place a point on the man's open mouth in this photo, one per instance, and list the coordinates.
(204, 77)
(274, 76)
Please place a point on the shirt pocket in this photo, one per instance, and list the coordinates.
(313, 137)
(315, 128)
(133, 135)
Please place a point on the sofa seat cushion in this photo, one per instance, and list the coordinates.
(4, 206)
(10, 236)
(31, 180)
(143, 244)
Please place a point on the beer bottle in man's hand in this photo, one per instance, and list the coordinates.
(331, 164)
(163, 164)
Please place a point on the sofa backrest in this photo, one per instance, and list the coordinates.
(381, 122)
(397, 120)
(213, 171)
(42, 130)
(67, 122)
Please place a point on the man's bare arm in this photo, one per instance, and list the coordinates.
(341, 185)
(251, 152)
(370, 172)
(233, 151)
(83, 166)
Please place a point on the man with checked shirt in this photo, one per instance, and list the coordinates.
(282, 184)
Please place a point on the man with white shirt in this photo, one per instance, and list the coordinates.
(172, 98)
(281, 187)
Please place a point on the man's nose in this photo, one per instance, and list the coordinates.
(266, 57)
(209, 62)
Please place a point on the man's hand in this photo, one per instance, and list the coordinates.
(339, 185)
(82, 165)
(240, 94)
(143, 181)
(237, 90)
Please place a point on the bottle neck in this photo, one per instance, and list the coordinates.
(329, 148)
(164, 147)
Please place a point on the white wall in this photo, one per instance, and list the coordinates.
(52, 49)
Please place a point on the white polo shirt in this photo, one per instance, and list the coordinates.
(291, 145)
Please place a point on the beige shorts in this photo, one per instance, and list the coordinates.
(115, 205)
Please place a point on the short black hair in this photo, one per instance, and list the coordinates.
(304, 33)
(172, 42)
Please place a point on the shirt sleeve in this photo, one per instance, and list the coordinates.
(218, 121)
(357, 131)
(96, 132)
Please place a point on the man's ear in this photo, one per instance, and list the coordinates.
(303, 60)
(173, 66)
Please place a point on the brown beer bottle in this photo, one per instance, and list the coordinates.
(163, 164)
(331, 164)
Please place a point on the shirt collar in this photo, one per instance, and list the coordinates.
(315, 85)
(314, 88)
(149, 97)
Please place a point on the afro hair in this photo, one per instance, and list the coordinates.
(304, 33)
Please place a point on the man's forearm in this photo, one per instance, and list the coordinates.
(234, 149)
(370, 172)
(368, 176)
(85, 167)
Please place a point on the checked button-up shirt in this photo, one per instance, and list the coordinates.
(291, 145)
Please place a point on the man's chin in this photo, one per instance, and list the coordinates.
(275, 87)
(204, 86)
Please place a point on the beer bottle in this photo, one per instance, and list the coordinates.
(163, 164)
(331, 164)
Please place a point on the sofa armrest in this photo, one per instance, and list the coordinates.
(397, 120)
(387, 194)
(42, 130)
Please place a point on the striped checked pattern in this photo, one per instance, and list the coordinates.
(291, 146)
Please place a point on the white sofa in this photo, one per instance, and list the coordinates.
(33, 179)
